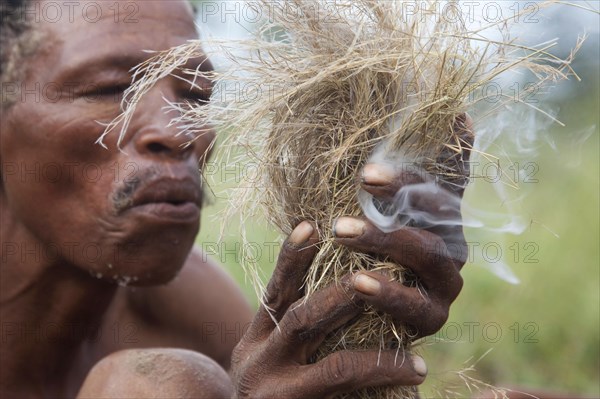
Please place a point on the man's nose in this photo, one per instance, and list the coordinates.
(161, 141)
(157, 136)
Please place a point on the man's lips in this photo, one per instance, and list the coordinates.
(168, 198)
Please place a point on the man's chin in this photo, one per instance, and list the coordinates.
(154, 280)
(144, 265)
(143, 255)
(161, 269)
(150, 274)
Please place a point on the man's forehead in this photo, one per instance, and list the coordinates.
(93, 29)
(89, 19)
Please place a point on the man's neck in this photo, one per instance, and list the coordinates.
(48, 310)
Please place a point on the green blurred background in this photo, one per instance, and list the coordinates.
(543, 332)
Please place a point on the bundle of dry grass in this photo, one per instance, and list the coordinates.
(316, 92)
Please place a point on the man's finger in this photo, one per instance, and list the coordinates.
(423, 252)
(384, 181)
(308, 321)
(419, 198)
(406, 305)
(346, 371)
(285, 286)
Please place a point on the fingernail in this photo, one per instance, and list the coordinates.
(377, 175)
(301, 233)
(367, 284)
(419, 365)
(347, 227)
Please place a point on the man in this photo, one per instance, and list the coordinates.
(97, 245)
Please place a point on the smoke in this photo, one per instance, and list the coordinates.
(516, 133)
(429, 205)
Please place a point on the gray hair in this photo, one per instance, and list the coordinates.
(18, 40)
(16, 43)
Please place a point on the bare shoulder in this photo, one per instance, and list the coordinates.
(210, 292)
(201, 309)
(161, 372)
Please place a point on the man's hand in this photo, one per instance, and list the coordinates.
(271, 361)
(272, 358)
(434, 260)
(434, 253)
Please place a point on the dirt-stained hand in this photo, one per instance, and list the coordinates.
(271, 361)
(435, 253)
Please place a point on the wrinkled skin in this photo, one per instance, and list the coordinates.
(88, 194)
(131, 217)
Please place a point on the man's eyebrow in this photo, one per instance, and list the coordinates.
(80, 69)
(124, 63)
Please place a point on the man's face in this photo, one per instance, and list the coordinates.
(129, 215)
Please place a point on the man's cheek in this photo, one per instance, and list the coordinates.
(76, 138)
